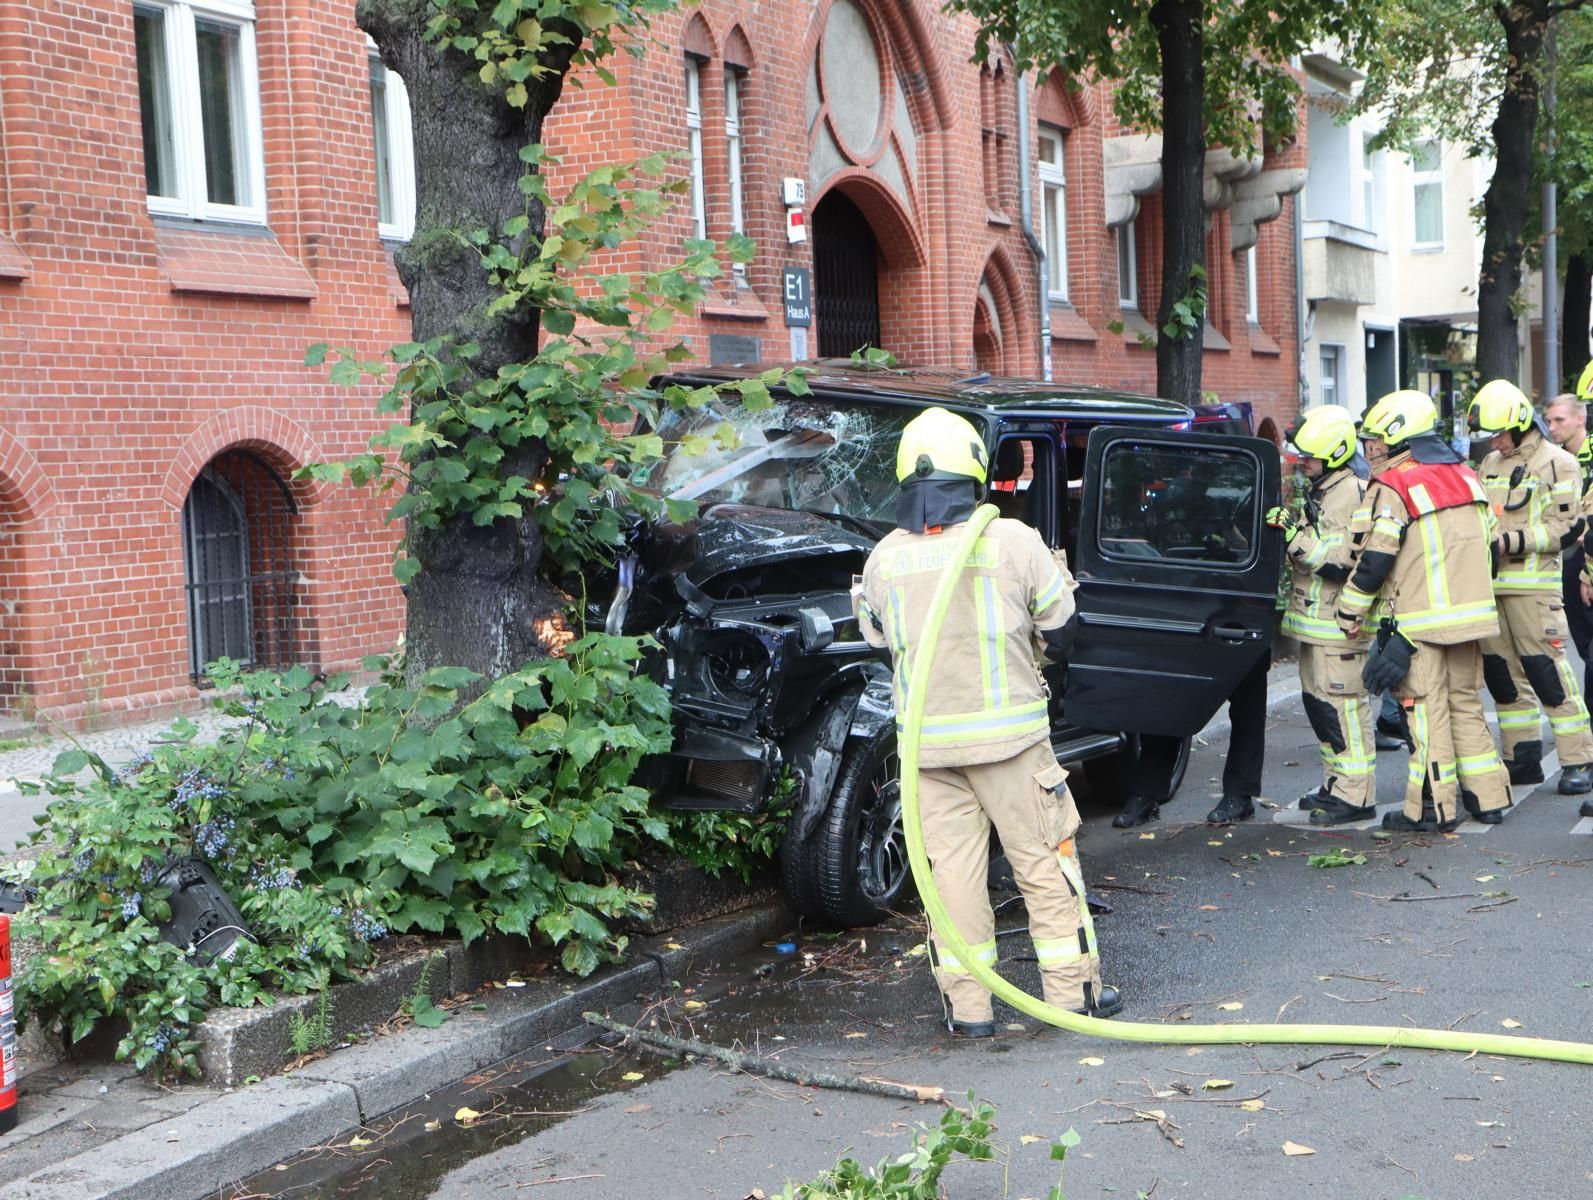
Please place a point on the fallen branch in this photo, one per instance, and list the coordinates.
(1407, 898)
(764, 1066)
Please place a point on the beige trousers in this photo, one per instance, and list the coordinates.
(1442, 695)
(1025, 797)
(1341, 716)
(1530, 649)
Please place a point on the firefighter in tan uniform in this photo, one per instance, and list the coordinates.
(1535, 491)
(1320, 555)
(1424, 565)
(986, 751)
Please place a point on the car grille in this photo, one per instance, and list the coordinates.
(740, 782)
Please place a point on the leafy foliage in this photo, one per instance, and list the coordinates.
(742, 843)
(1248, 45)
(333, 824)
(916, 1175)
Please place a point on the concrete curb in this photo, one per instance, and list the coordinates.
(236, 1134)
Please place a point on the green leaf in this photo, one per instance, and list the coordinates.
(558, 321)
(315, 355)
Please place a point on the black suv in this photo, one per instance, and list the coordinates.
(778, 700)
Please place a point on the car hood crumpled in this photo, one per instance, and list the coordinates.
(729, 537)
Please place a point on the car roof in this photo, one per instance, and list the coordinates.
(979, 392)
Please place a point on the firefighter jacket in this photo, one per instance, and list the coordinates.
(986, 697)
(1319, 559)
(1535, 492)
(1425, 555)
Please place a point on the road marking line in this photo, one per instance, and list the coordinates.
(1584, 826)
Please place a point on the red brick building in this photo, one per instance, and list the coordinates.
(163, 267)
(910, 157)
(194, 191)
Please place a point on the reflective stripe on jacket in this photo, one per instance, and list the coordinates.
(1535, 492)
(1319, 560)
(986, 698)
(1426, 557)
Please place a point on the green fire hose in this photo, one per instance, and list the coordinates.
(1129, 1031)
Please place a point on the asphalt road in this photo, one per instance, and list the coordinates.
(1495, 931)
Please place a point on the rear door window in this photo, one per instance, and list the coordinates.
(1185, 503)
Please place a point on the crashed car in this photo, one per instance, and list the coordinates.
(777, 698)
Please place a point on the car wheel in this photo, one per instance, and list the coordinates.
(799, 870)
(860, 848)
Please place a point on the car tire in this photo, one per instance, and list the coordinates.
(799, 873)
(860, 847)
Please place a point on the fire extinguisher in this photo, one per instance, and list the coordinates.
(8, 1033)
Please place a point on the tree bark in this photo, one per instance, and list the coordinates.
(1179, 25)
(1507, 200)
(1576, 312)
(479, 595)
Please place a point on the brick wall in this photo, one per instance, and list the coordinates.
(962, 227)
(138, 350)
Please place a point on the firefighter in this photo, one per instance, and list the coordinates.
(986, 751)
(1566, 418)
(1423, 535)
(1535, 490)
(1320, 555)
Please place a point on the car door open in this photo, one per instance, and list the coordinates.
(1178, 577)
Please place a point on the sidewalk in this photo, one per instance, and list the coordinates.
(94, 1132)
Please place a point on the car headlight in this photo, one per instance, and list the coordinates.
(736, 663)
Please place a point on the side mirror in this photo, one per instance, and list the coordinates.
(818, 631)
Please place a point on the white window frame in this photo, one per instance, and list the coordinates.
(1252, 288)
(1433, 178)
(699, 207)
(400, 152)
(1054, 207)
(1335, 352)
(734, 79)
(1368, 176)
(1127, 272)
(188, 135)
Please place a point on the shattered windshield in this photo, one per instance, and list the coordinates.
(797, 454)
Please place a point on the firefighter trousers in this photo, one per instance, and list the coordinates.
(1341, 716)
(1025, 798)
(1442, 697)
(1525, 665)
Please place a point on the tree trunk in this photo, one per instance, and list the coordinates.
(1179, 25)
(1576, 311)
(479, 594)
(1507, 200)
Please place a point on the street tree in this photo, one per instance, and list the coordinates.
(1471, 71)
(508, 472)
(1203, 74)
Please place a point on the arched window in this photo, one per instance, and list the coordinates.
(238, 564)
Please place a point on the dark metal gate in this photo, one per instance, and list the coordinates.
(238, 558)
(845, 277)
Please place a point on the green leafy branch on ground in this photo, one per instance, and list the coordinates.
(916, 1174)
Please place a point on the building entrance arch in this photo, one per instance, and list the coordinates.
(845, 277)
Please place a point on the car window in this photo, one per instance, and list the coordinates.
(1191, 504)
(801, 455)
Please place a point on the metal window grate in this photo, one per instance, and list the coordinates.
(238, 555)
(845, 277)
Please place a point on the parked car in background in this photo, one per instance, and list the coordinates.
(775, 693)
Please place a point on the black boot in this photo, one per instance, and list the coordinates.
(1474, 806)
(1231, 809)
(971, 1029)
(1105, 1003)
(1525, 764)
(1400, 823)
(1312, 798)
(1587, 808)
(1330, 810)
(1136, 811)
(1576, 779)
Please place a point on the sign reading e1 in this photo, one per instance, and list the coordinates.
(798, 288)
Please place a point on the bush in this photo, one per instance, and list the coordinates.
(333, 824)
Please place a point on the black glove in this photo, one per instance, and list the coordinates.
(1388, 662)
(1059, 641)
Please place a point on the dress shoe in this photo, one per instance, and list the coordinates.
(1136, 811)
(1400, 823)
(1527, 772)
(1231, 809)
(1474, 806)
(971, 1029)
(1108, 1002)
(1330, 810)
(1576, 780)
(1387, 741)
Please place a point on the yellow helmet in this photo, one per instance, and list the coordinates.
(1499, 405)
(1584, 386)
(1400, 416)
(1326, 432)
(939, 444)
